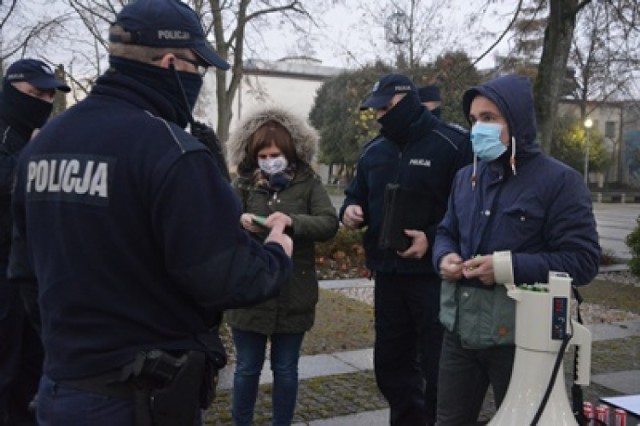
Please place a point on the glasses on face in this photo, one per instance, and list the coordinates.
(200, 69)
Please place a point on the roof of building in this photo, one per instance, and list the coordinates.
(300, 66)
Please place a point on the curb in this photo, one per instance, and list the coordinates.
(620, 267)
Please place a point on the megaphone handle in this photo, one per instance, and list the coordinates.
(582, 339)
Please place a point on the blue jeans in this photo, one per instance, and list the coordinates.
(250, 353)
(465, 375)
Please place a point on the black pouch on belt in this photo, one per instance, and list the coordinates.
(216, 359)
(177, 403)
(167, 387)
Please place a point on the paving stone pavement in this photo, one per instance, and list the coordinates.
(339, 389)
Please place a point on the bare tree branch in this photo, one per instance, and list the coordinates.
(9, 12)
(504, 33)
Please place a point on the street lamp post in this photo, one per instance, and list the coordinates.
(587, 124)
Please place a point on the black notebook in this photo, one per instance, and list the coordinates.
(403, 209)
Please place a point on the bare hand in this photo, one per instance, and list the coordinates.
(480, 267)
(353, 216)
(451, 267)
(278, 236)
(418, 247)
(278, 219)
(246, 220)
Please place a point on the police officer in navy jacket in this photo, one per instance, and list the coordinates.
(422, 155)
(131, 227)
(28, 91)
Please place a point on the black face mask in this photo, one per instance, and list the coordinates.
(22, 111)
(173, 85)
(436, 112)
(395, 123)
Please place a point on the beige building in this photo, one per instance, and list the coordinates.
(608, 119)
(289, 82)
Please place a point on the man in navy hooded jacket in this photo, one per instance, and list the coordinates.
(531, 209)
(132, 228)
(422, 155)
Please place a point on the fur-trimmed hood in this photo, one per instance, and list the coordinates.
(305, 138)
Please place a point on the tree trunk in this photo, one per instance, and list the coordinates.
(224, 112)
(60, 100)
(227, 92)
(553, 65)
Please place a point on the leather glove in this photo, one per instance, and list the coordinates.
(207, 136)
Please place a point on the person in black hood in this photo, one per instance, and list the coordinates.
(418, 155)
(28, 91)
(132, 232)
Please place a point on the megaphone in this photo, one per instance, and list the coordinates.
(544, 328)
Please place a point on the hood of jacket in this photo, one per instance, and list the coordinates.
(513, 96)
(305, 138)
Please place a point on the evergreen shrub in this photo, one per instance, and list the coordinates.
(633, 241)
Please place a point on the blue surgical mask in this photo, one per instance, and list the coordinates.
(271, 166)
(485, 140)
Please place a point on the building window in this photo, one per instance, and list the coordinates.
(610, 129)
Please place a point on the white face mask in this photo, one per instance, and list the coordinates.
(271, 166)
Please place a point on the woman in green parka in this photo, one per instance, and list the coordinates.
(273, 149)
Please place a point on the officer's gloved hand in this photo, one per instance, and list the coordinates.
(208, 137)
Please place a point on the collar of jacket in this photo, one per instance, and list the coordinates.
(6, 122)
(118, 85)
(500, 169)
(418, 129)
(303, 172)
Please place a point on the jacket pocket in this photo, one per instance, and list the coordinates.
(303, 291)
(524, 223)
(486, 317)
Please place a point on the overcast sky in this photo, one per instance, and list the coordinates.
(346, 37)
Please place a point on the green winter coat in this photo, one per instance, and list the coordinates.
(314, 219)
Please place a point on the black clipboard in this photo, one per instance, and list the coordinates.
(403, 209)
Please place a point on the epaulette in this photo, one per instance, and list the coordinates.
(452, 133)
(372, 142)
(184, 141)
(456, 127)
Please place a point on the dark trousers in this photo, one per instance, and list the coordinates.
(21, 357)
(465, 375)
(60, 404)
(407, 346)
